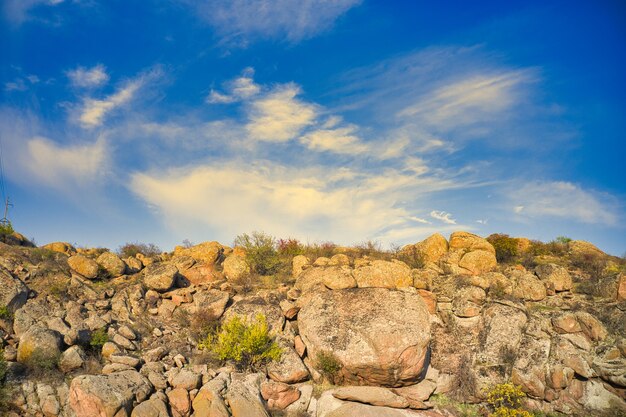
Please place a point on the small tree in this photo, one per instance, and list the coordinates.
(6, 230)
(261, 252)
(249, 345)
(505, 246)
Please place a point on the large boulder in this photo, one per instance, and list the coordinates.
(236, 267)
(160, 277)
(13, 292)
(244, 396)
(379, 336)
(202, 273)
(430, 249)
(527, 286)
(468, 254)
(39, 346)
(60, 247)
(333, 277)
(469, 242)
(154, 407)
(112, 395)
(209, 252)
(556, 277)
(384, 274)
(83, 265)
(112, 263)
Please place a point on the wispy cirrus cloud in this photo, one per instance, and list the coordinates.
(88, 77)
(563, 199)
(442, 216)
(92, 111)
(238, 22)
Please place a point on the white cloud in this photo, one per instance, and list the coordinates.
(565, 200)
(64, 167)
(240, 21)
(340, 140)
(17, 11)
(88, 77)
(279, 116)
(472, 99)
(418, 220)
(442, 216)
(241, 88)
(313, 202)
(93, 111)
(17, 85)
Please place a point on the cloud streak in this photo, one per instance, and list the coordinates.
(88, 77)
(238, 22)
(562, 199)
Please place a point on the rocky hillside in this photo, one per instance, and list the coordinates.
(440, 328)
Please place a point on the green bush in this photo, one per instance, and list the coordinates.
(564, 240)
(98, 339)
(505, 246)
(6, 229)
(132, 249)
(249, 345)
(5, 313)
(3, 367)
(328, 365)
(261, 252)
(412, 256)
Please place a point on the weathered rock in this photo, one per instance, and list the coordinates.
(112, 264)
(340, 259)
(108, 395)
(154, 407)
(180, 402)
(159, 276)
(555, 276)
(39, 344)
(591, 326)
(299, 263)
(131, 361)
(470, 242)
(209, 252)
(527, 286)
(478, 261)
(187, 379)
(208, 402)
(371, 395)
(621, 288)
(379, 336)
(72, 358)
(83, 265)
(384, 274)
(201, 273)
(244, 396)
(60, 247)
(566, 323)
(249, 308)
(416, 394)
(289, 369)
(351, 409)
(279, 395)
(333, 277)
(133, 265)
(430, 249)
(236, 267)
(13, 292)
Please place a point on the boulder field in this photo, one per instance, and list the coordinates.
(85, 333)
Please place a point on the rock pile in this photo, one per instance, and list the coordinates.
(91, 334)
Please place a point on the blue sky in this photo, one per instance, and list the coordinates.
(343, 120)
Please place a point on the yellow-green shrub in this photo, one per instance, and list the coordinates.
(249, 345)
(506, 399)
